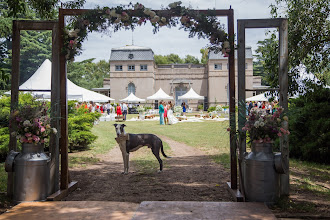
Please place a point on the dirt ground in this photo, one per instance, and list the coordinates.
(189, 175)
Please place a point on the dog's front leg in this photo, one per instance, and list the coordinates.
(126, 163)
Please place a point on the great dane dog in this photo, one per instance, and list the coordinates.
(132, 142)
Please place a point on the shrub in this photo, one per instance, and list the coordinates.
(79, 126)
(4, 142)
(211, 109)
(200, 107)
(309, 124)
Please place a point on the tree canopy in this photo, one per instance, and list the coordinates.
(174, 58)
(88, 74)
(308, 36)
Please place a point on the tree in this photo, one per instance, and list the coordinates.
(259, 70)
(205, 55)
(174, 58)
(191, 59)
(308, 36)
(88, 74)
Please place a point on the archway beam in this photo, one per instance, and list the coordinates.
(282, 25)
(19, 25)
(229, 13)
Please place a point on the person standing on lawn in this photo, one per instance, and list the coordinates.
(119, 110)
(161, 113)
(124, 110)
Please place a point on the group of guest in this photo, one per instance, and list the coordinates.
(267, 107)
(166, 113)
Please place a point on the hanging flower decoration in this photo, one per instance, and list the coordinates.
(130, 16)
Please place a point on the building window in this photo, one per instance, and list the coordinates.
(246, 66)
(131, 88)
(119, 68)
(131, 67)
(130, 56)
(143, 67)
(218, 66)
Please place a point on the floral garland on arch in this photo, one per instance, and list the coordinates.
(133, 15)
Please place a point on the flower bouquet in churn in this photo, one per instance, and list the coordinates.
(265, 128)
(31, 123)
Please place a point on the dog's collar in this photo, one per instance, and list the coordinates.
(122, 137)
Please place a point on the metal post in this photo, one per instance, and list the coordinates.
(283, 82)
(232, 116)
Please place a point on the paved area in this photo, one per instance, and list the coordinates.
(72, 210)
(158, 210)
(202, 210)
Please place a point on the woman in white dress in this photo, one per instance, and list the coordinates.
(171, 118)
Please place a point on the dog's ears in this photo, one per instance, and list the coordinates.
(115, 125)
(123, 125)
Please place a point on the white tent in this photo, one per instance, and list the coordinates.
(132, 98)
(41, 80)
(160, 95)
(192, 95)
(261, 97)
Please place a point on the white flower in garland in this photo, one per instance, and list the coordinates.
(155, 19)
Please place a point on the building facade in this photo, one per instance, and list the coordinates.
(133, 70)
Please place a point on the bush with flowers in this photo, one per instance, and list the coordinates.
(265, 128)
(140, 109)
(31, 123)
(218, 108)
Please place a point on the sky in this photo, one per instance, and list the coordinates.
(171, 40)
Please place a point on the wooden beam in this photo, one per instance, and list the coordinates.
(14, 97)
(235, 193)
(55, 112)
(75, 12)
(232, 115)
(260, 23)
(35, 25)
(64, 108)
(241, 98)
(62, 193)
(283, 82)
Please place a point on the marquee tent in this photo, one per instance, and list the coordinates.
(261, 97)
(41, 80)
(160, 95)
(132, 98)
(191, 95)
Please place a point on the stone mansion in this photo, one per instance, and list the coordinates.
(133, 70)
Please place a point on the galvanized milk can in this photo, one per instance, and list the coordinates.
(262, 171)
(31, 172)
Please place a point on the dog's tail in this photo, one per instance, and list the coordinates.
(162, 150)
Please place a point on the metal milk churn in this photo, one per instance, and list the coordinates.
(262, 171)
(31, 170)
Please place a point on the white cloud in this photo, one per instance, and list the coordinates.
(172, 40)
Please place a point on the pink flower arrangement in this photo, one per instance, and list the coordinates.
(31, 123)
(265, 128)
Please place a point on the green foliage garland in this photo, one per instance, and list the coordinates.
(130, 16)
